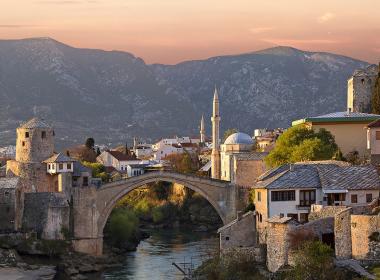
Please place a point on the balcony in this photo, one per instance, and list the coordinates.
(303, 207)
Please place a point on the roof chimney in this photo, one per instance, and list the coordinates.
(291, 167)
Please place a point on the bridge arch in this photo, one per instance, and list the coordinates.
(94, 206)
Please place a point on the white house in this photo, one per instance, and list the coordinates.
(117, 159)
(59, 163)
(291, 189)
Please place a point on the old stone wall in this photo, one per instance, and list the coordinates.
(277, 245)
(32, 147)
(33, 176)
(7, 209)
(238, 233)
(247, 172)
(318, 227)
(362, 226)
(320, 211)
(47, 214)
(342, 232)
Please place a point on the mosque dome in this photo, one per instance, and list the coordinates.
(239, 138)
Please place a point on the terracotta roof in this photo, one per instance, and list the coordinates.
(35, 123)
(189, 145)
(121, 156)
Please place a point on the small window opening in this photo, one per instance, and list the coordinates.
(227, 238)
(23, 143)
(26, 134)
(43, 134)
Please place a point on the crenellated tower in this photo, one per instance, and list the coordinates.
(215, 154)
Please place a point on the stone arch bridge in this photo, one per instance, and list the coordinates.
(92, 206)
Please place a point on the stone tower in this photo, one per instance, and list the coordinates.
(34, 144)
(35, 141)
(215, 154)
(359, 89)
(202, 130)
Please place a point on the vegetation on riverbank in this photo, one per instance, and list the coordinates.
(158, 205)
(230, 266)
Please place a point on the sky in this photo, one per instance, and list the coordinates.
(171, 31)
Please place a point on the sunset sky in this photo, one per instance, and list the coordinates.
(170, 31)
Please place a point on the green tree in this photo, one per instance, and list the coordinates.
(300, 143)
(229, 132)
(313, 261)
(123, 226)
(98, 170)
(375, 102)
(90, 143)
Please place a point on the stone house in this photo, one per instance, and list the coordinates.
(238, 233)
(291, 189)
(117, 159)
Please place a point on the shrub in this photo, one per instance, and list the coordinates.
(375, 236)
(313, 261)
(123, 226)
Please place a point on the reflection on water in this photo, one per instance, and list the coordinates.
(155, 255)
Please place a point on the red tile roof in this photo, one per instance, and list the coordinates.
(121, 156)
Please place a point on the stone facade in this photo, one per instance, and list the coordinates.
(239, 233)
(50, 215)
(359, 89)
(9, 214)
(342, 232)
(362, 226)
(277, 242)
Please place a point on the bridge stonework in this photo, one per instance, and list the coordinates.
(92, 206)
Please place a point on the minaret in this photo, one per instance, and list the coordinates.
(202, 131)
(215, 154)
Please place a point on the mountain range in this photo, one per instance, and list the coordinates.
(114, 95)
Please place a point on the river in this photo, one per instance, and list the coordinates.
(154, 256)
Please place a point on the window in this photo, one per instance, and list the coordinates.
(60, 166)
(368, 197)
(69, 166)
(294, 216)
(261, 218)
(377, 135)
(26, 134)
(283, 195)
(23, 143)
(354, 198)
(307, 197)
(304, 217)
(85, 181)
(227, 238)
(43, 134)
(258, 196)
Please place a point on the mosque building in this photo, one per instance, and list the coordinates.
(236, 159)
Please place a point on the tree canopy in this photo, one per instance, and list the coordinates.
(300, 143)
(375, 102)
(90, 143)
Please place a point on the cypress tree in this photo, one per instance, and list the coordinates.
(375, 102)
